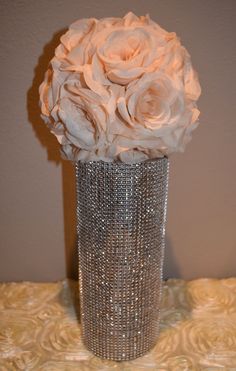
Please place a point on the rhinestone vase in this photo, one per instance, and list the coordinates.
(121, 215)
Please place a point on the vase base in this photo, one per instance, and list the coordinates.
(119, 357)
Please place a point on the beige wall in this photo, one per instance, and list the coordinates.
(37, 226)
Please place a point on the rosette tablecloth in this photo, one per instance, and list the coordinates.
(40, 331)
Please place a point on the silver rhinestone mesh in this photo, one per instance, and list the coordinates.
(121, 215)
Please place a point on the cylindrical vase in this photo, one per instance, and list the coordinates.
(121, 215)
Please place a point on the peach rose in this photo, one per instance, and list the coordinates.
(79, 117)
(155, 118)
(120, 89)
(119, 50)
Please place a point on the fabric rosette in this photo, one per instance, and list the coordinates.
(120, 89)
(210, 295)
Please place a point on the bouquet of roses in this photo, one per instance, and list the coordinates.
(120, 89)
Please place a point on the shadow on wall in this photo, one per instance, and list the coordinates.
(170, 268)
(49, 142)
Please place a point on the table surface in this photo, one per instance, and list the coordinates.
(39, 329)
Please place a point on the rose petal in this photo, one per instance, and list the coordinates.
(122, 108)
(132, 156)
(123, 77)
(79, 130)
(92, 83)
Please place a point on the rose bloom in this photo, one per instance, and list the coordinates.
(120, 89)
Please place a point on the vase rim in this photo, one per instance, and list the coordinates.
(120, 163)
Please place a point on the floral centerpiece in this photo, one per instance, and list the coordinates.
(120, 96)
(120, 89)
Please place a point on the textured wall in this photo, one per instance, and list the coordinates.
(37, 226)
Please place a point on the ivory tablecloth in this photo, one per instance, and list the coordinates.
(39, 329)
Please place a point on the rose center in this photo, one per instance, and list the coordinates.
(125, 45)
(150, 105)
(126, 51)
